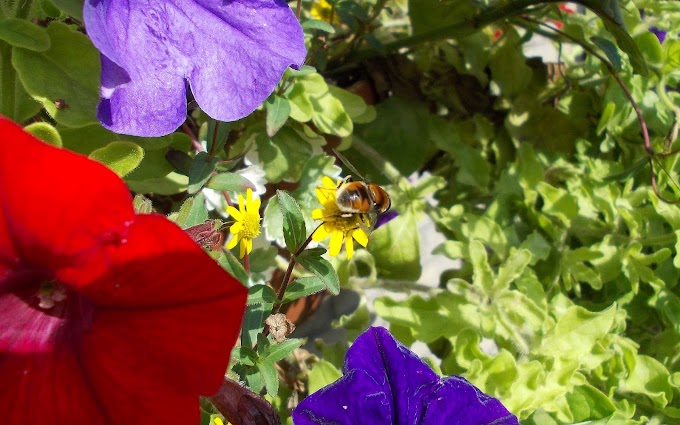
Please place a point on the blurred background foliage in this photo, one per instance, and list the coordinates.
(564, 303)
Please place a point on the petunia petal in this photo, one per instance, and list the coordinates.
(456, 397)
(28, 380)
(356, 398)
(101, 218)
(401, 372)
(151, 350)
(134, 107)
(232, 54)
(151, 268)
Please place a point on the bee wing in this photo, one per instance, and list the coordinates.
(348, 164)
(368, 221)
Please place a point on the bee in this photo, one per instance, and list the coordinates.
(360, 197)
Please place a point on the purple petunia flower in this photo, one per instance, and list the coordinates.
(386, 383)
(659, 33)
(231, 53)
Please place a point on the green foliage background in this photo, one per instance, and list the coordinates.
(566, 304)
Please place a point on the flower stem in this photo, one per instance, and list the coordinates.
(194, 140)
(289, 271)
(298, 8)
(246, 263)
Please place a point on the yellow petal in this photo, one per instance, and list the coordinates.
(328, 183)
(336, 243)
(241, 204)
(235, 213)
(255, 205)
(249, 196)
(242, 248)
(317, 214)
(249, 245)
(349, 247)
(232, 242)
(236, 227)
(360, 236)
(320, 233)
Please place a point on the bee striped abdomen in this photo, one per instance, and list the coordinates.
(354, 197)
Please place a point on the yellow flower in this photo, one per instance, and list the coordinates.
(340, 227)
(322, 10)
(247, 225)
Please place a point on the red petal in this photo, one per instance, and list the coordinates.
(56, 204)
(47, 388)
(158, 266)
(153, 364)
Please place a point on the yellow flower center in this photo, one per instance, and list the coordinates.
(346, 224)
(251, 225)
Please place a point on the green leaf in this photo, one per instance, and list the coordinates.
(651, 378)
(401, 132)
(270, 377)
(180, 160)
(322, 268)
(278, 111)
(192, 212)
(253, 322)
(64, 78)
(576, 332)
(294, 230)
(316, 24)
(142, 204)
(232, 182)
(650, 47)
(24, 34)
(232, 265)
(610, 50)
(121, 157)
(323, 374)
(284, 155)
(281, 350)
(396, 248)
(630, 172)
(508, 66)
(71, 7)
(217, 135)
(302, 287)
(201, 170)
(587, 402)
(45, 132)
(258, 294)
(430, 15)
(50, 9)
(329, 114)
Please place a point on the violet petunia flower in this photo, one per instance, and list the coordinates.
(386, 383)
(231, 54)
(659, 33)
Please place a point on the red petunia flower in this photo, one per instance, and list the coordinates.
(106, 317)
